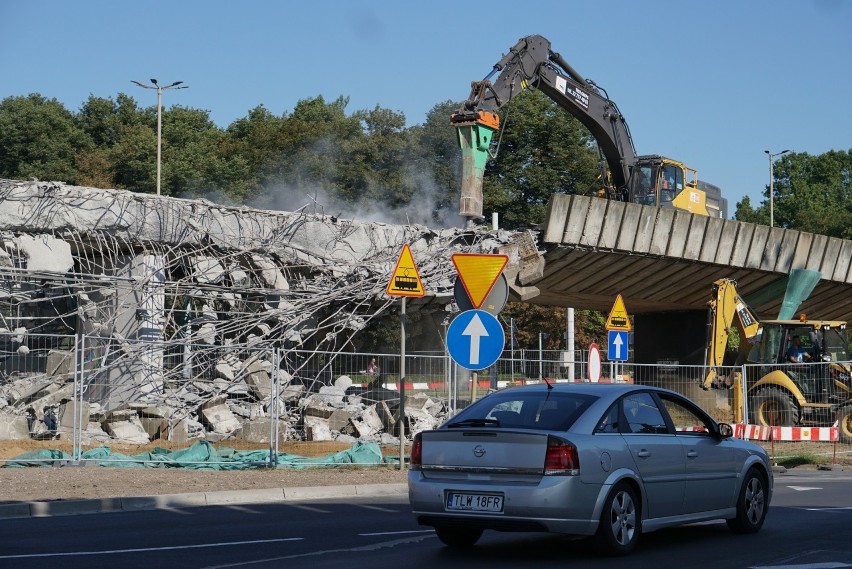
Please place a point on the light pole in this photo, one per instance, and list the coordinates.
(771, 185)
(160, 89)
(541, 336)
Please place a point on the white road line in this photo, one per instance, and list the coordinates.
(829, 565)
(396, 532)
(379, 509)
(148, 549)
(803, 488)
(310, 508)
(361, 548)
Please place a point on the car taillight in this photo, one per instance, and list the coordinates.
(561, 459)
(416, 457)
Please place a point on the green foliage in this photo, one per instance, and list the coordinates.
(39, 139)
(542, 150)
(812, 193)
(530, 320)
(364, 160)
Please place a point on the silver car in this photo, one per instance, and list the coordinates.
(608, 461)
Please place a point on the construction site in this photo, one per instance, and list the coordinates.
(133, 318)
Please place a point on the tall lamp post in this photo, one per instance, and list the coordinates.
(160, 89)
(771, 184)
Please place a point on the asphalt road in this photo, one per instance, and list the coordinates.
(809, 525)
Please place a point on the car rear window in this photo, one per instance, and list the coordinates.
(544, 410)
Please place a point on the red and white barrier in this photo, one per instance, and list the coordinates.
(756, 432)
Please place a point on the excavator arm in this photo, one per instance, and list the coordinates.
(532, 63)
(726, 310)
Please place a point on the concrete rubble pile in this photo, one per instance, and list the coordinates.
(179, 318)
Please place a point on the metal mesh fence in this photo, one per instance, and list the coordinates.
(130, 402)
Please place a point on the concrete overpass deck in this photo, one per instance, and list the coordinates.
(663, 260)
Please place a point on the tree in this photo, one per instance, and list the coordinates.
(39, 139)
(193, 163)
(589, 325)
(104, 120)
(542, 150)
(259, 139)
(372, 165)
(436, 165)
(812, 193)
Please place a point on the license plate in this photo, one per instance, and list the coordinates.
(474, 502)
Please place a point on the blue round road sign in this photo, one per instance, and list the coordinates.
(475, 339)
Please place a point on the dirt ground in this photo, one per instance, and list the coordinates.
(92, 481)
(83, 482)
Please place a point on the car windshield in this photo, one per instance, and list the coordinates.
(546, 410)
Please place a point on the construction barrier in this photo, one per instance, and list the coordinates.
(757, 432)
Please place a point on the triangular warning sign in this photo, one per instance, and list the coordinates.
(478, 273)
(618, 319)
(405, 280)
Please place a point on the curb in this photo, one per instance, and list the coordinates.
(196, 499)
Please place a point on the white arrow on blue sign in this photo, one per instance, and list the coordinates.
(617, 346)
(475, 339)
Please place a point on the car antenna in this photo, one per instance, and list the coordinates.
(549, 385)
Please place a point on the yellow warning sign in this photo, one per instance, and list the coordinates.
(405, 280)
(618, 319)
(478, 273)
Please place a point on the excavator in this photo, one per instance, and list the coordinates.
(652, 180)
(779, 392)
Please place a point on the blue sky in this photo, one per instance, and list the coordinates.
(710, 83)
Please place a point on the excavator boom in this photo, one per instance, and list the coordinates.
(531, 63)
(727, 310)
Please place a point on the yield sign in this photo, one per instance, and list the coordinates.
(405, 280)
(618, 319)
(478, 273)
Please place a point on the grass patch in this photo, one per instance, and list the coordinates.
(791, 461)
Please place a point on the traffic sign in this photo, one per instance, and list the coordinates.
(617, 346)
(478, 273)
(618, 319)
(475, 339)
(594, 363)
(493, 303)
(405, 280)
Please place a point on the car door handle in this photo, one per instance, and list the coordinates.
(691, 454)
(643, 453)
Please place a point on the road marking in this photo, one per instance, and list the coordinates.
(361, 548)
(829, 565)
(803, 488)
(396, 532)
(378, 509)
(148, 549)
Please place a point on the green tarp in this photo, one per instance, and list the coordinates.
(203, 455)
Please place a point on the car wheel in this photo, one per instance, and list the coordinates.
(774, 407)
(458, 537)
(620, 523)
(844, 424)
(752, 504)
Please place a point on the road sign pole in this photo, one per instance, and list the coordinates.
(402, 387)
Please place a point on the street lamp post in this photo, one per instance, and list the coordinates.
(541, 336)
(160, 89)
(771, 185)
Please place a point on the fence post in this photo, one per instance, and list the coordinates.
(77, 419)
(274, 411)
(744, 384)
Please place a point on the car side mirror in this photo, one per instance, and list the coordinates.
(726, 431)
